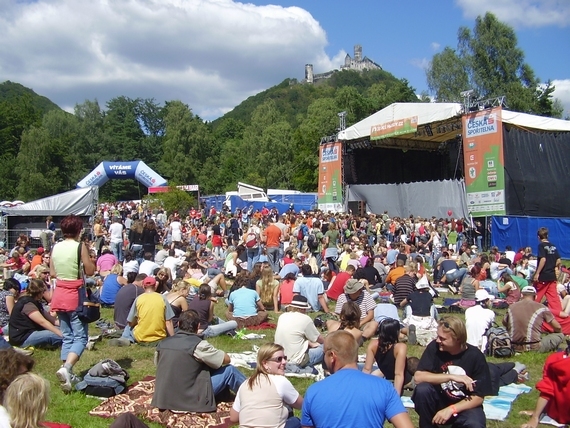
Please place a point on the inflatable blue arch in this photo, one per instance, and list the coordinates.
(122, 170)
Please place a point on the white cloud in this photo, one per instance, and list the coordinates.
(210, 54)
(435, 46)
(520, 13)
(422, 63)
(562, 92)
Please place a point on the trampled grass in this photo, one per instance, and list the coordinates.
(138, 361)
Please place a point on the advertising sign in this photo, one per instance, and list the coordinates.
(484, 164)
(330, 180)
(122, 170)
(394, 128)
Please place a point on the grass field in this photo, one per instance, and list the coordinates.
(137, 360)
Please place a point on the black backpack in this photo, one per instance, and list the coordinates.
(312, 242)
(499, 343)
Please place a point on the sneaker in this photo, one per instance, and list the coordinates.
(67, 379)
(412, 339)
(121, 341)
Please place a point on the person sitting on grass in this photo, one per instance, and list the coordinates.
(265, 399)
(26, 401)
(389, 354)
(283, 293)
(190, 372)
(353, 291)
(29, 324)
(244, 304)
(150, 318)
(349, 320)
(297, 333)
(203, 304)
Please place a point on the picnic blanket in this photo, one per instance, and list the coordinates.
(137, 400)
(496, 407)
(248, 360)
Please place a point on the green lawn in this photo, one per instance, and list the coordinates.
(137, 360)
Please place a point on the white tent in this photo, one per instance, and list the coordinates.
(437, 113)
(81, 202)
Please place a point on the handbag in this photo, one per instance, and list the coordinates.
(89, 307)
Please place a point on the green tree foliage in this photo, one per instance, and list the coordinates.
(175, 200)
(489, 61)
(270, 140)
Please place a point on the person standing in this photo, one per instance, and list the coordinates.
(65, 267)
(332, 403)
(117, 238)
(545, 275)
(272, 238)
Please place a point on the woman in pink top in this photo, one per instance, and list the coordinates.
(106, 262)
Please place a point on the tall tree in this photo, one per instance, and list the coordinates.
(489, 61)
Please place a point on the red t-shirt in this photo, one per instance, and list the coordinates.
(286, 291)
(337, 287)
(216, 240)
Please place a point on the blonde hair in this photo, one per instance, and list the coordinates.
(180, 285)
(117, 269)
(266, 289)
(26, 400)
(265, 352)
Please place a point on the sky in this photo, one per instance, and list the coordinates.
(213, 54)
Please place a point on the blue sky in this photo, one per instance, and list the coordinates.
(403, 36)
(213, 54)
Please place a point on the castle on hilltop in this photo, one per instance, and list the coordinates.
(357, 63)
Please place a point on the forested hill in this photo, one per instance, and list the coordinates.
(270, 140)
(10, 92)
(292, 97)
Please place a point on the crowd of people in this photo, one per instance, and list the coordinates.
(373, 279)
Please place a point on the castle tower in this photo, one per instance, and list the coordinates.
(309, 73)
(347, 60)
(357, 53)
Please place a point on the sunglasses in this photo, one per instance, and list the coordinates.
(278, 359)
(447, 326)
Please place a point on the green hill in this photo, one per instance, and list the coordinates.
(10, 92)
(292, 98)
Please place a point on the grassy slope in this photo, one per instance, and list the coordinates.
(73, 409)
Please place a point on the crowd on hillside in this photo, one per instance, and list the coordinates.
(372, 279)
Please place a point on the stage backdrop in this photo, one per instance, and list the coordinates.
(483, 160)
(520, 232)
(330, 177)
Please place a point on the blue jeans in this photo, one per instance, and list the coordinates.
(226, 376)
(128, 334)
(273, 258)
(316, 355)
(490, 286)
(479, 243)
(75, 334)
(43, 338)
(117, 249)
(3, 343)
(220, 328)
(252, 257)
(457, 275)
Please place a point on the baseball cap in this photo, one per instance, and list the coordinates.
(149, 281)
(482, 295)
(529, 289)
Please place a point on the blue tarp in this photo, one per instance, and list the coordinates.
(520, 232)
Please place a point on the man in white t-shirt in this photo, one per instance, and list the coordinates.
(117, 236)
(478, 319)
(297, 333)
(172, 262)
(148, 266)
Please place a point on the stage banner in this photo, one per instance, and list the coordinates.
(484, 164)
(330, 180)
(394, 128)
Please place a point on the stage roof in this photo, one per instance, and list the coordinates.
(436, 123)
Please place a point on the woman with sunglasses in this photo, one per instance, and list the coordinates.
(264, 399)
